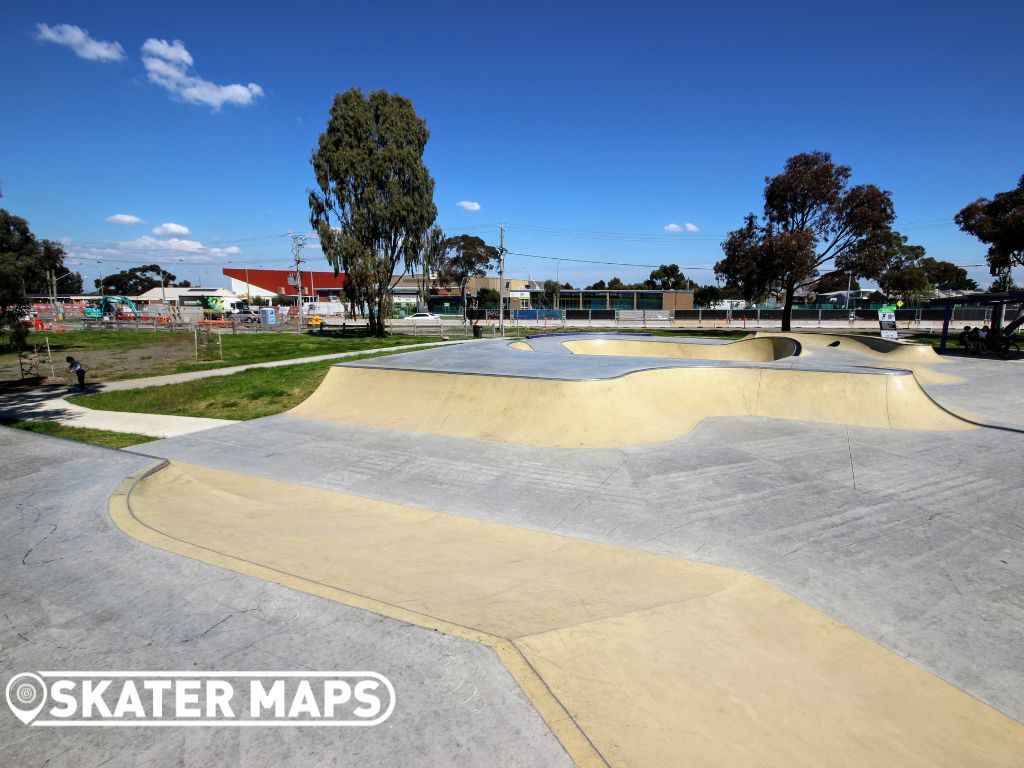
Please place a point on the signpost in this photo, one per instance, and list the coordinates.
(887, 322)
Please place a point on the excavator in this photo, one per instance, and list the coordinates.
(109, 306)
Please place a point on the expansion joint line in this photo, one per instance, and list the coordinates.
(593, 492)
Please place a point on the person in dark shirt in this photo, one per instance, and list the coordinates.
(76, 368)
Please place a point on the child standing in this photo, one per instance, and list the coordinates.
(76, 368)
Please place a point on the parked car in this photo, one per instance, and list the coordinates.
(425, 316)
(246, 316)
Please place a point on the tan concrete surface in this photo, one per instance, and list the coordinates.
(521, 345)
(633, 659)
(919, 358)
(754, 350)
(644, 407)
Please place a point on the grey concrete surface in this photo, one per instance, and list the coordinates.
(913, 539)
(76, 593)
(496, 358)
(992, 388)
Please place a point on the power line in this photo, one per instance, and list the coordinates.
(594, 261)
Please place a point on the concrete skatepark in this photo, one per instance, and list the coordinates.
(624, 551)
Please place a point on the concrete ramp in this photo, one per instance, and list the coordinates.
(648, 406)
(633, 659)
(522, 346)
(752, 350)
(873, 346)
(922, 359)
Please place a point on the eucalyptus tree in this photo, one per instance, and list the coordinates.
(812, 216)
(374, 203)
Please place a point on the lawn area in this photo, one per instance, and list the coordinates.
(246, 395)
(128, 354)
(81, 434)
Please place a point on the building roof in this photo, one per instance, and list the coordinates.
(280, 281)
(175, 292)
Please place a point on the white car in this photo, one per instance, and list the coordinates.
(425, 316)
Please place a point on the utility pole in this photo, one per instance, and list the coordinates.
(297, 242)
(52, 274)
(501, 280)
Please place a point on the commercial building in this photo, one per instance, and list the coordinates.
(282, 285)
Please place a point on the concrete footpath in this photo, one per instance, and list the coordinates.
(49, 403)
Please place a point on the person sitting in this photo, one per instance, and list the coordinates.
(973, 343)
(963, 337)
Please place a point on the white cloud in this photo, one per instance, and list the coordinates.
(78, 40)
(674, 229)
(161, 49)
(148, 250)
(124, 218)
(170, 228)
(168, 64)
(170, 244)
(468, 205)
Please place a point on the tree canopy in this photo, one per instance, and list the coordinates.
(429, 260)
(667, 277)
(910, 274)
(999, 223)
(25, 267)
(707, 296)
(835, 281)
(374, 203)
(466, 256)
(132, 282)
(812, 216)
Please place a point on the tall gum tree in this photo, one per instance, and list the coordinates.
(374, 203)
(812, 216)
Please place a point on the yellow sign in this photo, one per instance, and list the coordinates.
(899, 303)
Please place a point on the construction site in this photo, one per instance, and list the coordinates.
(577, 549)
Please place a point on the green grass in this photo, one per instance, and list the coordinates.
(81, 434)
(246, 395)
(129, 354)
(243, 349)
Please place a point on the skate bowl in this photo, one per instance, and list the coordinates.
(918, 358)
(639, 408)
(753, 350)
(889, 349)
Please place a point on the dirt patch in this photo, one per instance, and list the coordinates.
(160, 356)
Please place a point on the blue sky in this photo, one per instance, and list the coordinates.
(563, 120)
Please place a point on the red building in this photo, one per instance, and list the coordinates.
(318, 286)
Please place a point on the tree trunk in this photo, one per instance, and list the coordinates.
(787, 309)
